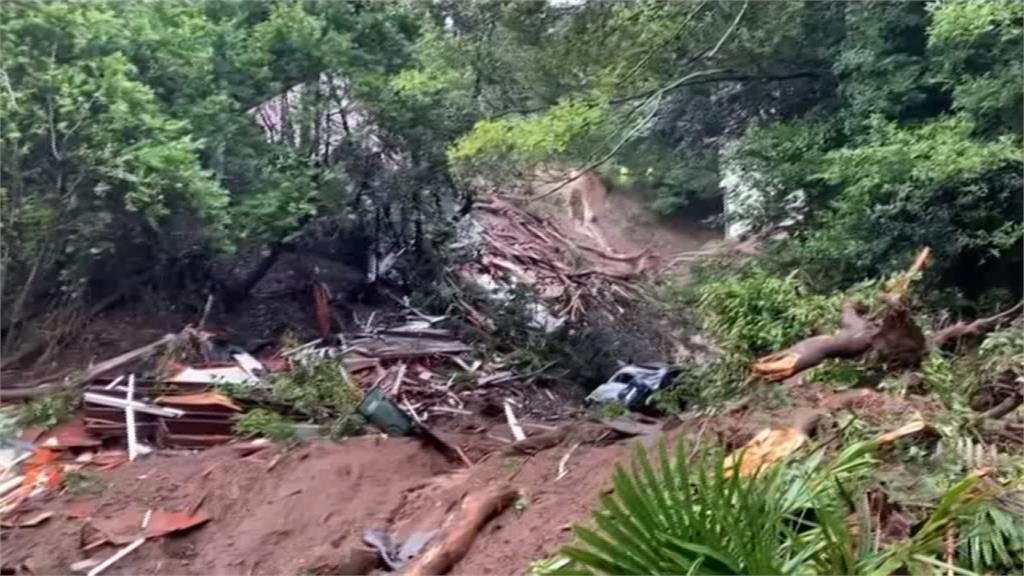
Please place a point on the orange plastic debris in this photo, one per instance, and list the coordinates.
(41, 468)
(163, 522)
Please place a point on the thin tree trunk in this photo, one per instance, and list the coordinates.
(235, 293)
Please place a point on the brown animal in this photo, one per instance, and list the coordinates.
(585, 196)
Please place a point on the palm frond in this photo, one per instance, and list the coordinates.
(791, 518)
(992, 540)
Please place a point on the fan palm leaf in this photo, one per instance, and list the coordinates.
(682, 517)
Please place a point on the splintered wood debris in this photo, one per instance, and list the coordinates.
(172, 397)
(569, 276)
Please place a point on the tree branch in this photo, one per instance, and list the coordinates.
(650, 53)
(890, 332)
(729, 32)
(954, 333)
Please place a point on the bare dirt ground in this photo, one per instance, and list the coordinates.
(286, 511)
(630, 225)
(303, 509)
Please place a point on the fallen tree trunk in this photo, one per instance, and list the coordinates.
(1009, 404)
(460, 529)
(853, 339)
(233, 294)
(538, 443)
(890, 332)
(42, 389)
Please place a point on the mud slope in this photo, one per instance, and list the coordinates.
(304, 512)
(624, 222)
(308, 511)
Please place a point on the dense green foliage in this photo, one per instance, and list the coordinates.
(145, 142)
(164, 143)
(922, 146)
(761, 313)
(316, 391)
(45, 412)
(711, 385)
(267, 424)
(322, 392)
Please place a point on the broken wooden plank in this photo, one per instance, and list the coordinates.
(112, 402)
(127, 357)
(203, 399)
(538, 443)
(562, 470)
(117, 556)
(513, 423)
(129, 421)
(223, 375)
(397, 347)
(247, 362)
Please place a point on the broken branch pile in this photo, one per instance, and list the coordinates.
(569, 275)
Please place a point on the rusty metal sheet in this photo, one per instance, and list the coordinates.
(126, 526)
(68, 435)
(209, 400)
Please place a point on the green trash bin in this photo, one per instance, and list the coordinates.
(385, 414)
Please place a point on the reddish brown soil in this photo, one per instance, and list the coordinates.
(308, 512)
(626, 225)
(314, 502)
(635, 226)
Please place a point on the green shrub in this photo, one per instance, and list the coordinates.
(759, 313)
(323, 392)
(46, 412)
(8, 428)
(613, 410)
(993, 541)
(837, 373)
(266, 423)
(699, 387)
(946, 378)
(1002, 352)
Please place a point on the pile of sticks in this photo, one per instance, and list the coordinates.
(571, 276)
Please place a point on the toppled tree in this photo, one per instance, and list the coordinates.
(889, 332)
